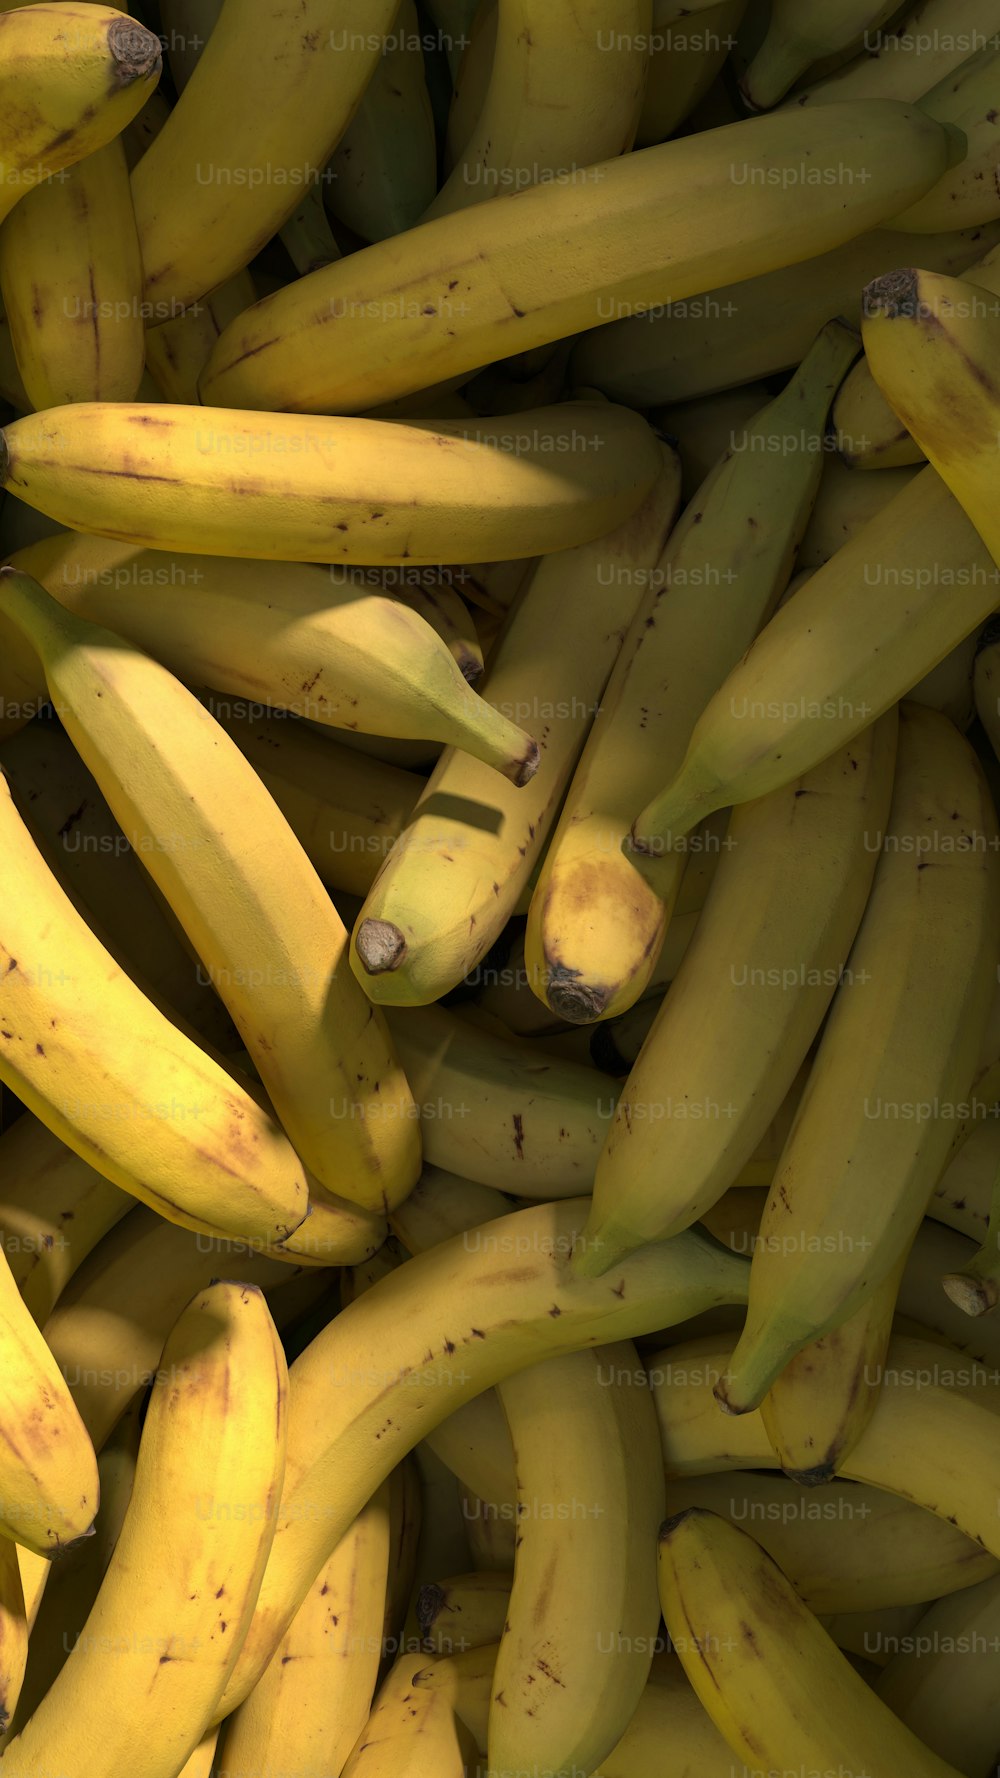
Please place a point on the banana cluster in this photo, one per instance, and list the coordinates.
(499, 889)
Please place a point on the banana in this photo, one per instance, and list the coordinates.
(904, 63)
(753, 327)
(108, 1330)
(468, 1611)
(577, 1644)
(688, 47)
(796, 39)
(440, 606)
(71, 77)
(405, 1514)
(307, 238)
(497, 1112)
(412, 1730)
(701, 430)
(54, 1209)
(145, 125)
(851, 1186)
(848, 1547)
(975, 1289)
(559, 258)
(525, 133)
(307, 1710)
(201, 1763)
(455, 875)
(310, 645)
(502, 1292)
(773, 1682)
(596, 923)
(71, 279)
(188, 24)
(869, 434)
(969, 196)
(869, 625)
(383, 173)
(446, 1544)
(471, 56)
(409, 491)
(208, 1479)
(750, 996)
(441, 1205)
(213, 186)
(13, 1631)
(135, 1097)
(346, 811)
(244, 892)
(941, 1682)
(178, 344)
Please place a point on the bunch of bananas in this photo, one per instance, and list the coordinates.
(499, 889)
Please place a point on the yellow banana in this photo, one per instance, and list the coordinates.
(940, 1682)
(501, 1294)
(308, 1708)
(702, 429)
(869, 434)
(844, 505)
(583, 1615)
(383, 172)
(456, 873)
(177, 345)
(133, 1095)
(71, 278)
(411, 1731)
(243, 890)
(213, 186)
(753, 989)
(847, 1547)
(71, 77)
(468, 1611)
(755, 326)
(178, 478)
(886, 1092)
(54, 1209)
(525, 133)
(797, 39)
(933, 38)
(688, 46)
(536, 266)
(441, 1205)
(773, 1682)
(969, 196)
(405, 1515)
(208, 1479)
(307, 643)
(13, 1631)
(441, 607)
(596, 921)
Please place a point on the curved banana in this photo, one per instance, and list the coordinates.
(213, 186)
(869, 434)
(753, 327)
(412, 1730)
(441, 1205)
(941, 1682)
(932, 40)
(308, 1708)
(773, 1682)
(525, 133)
(71, 280)
(108, 1330)
(847, 1547)
(244, 892)
(688, 47)
(134, 1097)
(596, 921)
(458, 870)
(886, 1092)
(177, 345)
(509, 1296)
(440, 606)
(796, 39)
(756, 981)
(71, 77)
(468, 1611)
(498, 1112)
(531, 268)
(208, 1479)
(383, 171)
(581, 1624)
(969, 195)
(295, 639)
(869, 625)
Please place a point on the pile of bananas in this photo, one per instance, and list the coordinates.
(500, 889)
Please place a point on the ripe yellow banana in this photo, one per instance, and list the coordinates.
(177, 345)
(71, 279)
(465, 1612)
(969, 195)
(688, 46)
(353, 1417)
(310, 644)
(750, 995)
(130, 1094)
(207, 1481)
(941, 1683)
(526, 134)
(412, 1730)
(755, 326)
(457, 872)
(13, 1630)
(519, 272)
(581, 1625)
(797, 38)
(934, 38)
(869, 434)
(439, 604)
(71, 77)
(596, 922)
(887, 1090)
(247, 897)
(214, 186)
(308, 1708)
(417, 491)
(775, 1685)
(847, 1547)
(869, 625)
(383, 172)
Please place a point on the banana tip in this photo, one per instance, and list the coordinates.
(895, 296)
(974, 1296)
(380, 945)
(675, 1520)
(135, 51)
(572, 999)
(523, 769)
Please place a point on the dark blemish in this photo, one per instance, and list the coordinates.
(518, 1136)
